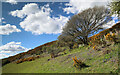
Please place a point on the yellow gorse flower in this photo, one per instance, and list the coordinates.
(113, 34)
(77, 63)
(110, 37)
(75, 58)
(94, 47)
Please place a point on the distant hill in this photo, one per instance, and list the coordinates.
(25, 54)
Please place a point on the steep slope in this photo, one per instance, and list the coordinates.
(98, 62)
(24, 54)
(104, 59)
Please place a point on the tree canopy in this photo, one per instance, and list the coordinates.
(87, 22)
(115, 7)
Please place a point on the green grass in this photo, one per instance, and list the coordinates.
(96, 60)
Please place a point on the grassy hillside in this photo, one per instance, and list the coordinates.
(100, 56)
(98, 62)
(37, 50)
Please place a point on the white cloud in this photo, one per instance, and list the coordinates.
(39, 20)
(28, 9)
(76, 6)
(1, 19)
(12, 1)
(109, 24)
(61, 3)
(12, 48)
(1, 52)
(7, 29)
(3, 56)
(42, 23)
(4, 22)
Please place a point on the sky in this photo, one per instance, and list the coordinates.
(26, 25)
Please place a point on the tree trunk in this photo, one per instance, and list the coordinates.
(85, 40)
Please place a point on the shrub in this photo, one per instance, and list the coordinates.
(113, 34)
(31, 58)
(110, 37)
(94, 47)
(27, 59)
(97, 39)
(53, 50)
(65, 52)
(19, 61)
(75, 46)
(52, 55)
(106, 52)
(44, 48)
(38, 56)
(78, 63)
(100, 38)
(5, 61)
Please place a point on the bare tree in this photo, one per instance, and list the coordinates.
(85, 23)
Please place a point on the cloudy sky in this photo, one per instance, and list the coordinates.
(26, 25)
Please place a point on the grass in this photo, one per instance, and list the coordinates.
(96, 60)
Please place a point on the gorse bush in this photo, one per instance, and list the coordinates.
(94, 47)
(19, 61)
(27, 59)
(104, 36)
(78, 63)
(97, 39)
(110, 37)
(31, 58)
